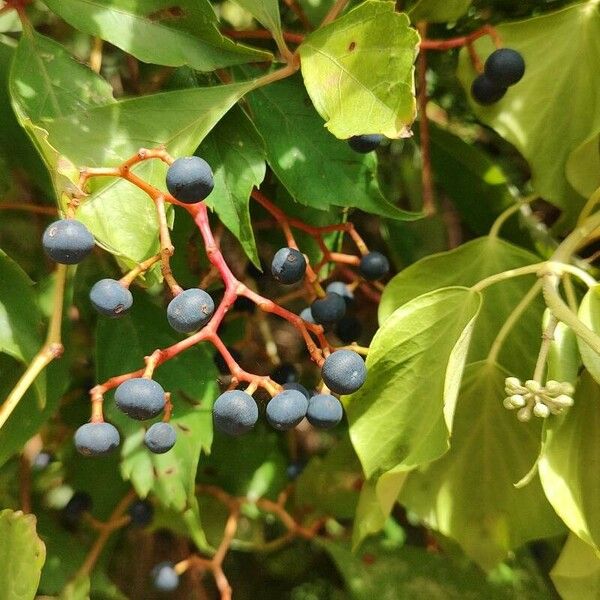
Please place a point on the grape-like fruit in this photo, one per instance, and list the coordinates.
(80, 503)
(505, 67)
(190, 179)
(140, 398)
(287, 409)
(235, 412)
(288, 266)
(341, 289)
(41, 461)
(373, 265)
(365, 143)
(190, 310)
(160, 437)
(292, 385)
(324, 411)
(165, 577)
(67, 241)
(486, 91)
(348, 329)
(344, 371)
(96, 439)
(329, 309)
(284, 373)
(306, 315)
(110, 298)
(294, 469)
(141, 513)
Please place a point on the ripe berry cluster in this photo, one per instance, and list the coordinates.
(504, 67)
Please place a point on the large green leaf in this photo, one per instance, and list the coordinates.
(435, 11)
(562, 48)
(469, 493)
(568, 462)
(583, 166)
(589, 313)
(236, 153)
(355, 86)
(316, 168)
(265, 12)
(159, 31)
(191, 378)
(466, 265)
(576, 574)
(22, 556)
(396, 420)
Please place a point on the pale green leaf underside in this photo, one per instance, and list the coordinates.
(576, 574)
(159, 31)
(358, 71)
(589, 313)
(396, 420)
(469, 494)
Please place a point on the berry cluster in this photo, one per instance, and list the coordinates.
(504, 67)
(534, 398)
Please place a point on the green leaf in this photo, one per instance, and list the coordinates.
(78, 589)
(583, 166)
(576, 574)
(571, 448)
(159, 31)
(397, 422)
(564, 359)
(469, 493)
(236, 153)
(467, 265)
(589, 314)
(22, 555)
(355, 86)
(435, 11)
(191, 378)
(266, 12)
(565, 42)
(317, 169)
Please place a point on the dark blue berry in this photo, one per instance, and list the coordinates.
(329, 309)
(141, 513)
(67, 241)
(164, 577)
(74, 509)
(348, 329)
(373, 265)
(160, 438)
(288, 266)
(298, 387)
(504, 67)
(306, 315)
(485, 91)
(324, 411)
(96, 439)
(190, 310)
(41, 461)
(110, 298)
(140, 398)
(344, 371)
(235, 412)
(284, 373)
(365, 143)
(287, 409)
(294, 469)
(341, 289)
(190, 179)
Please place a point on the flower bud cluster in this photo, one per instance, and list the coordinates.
(533, 398)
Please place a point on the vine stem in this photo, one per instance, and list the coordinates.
(507, 213)
(459, 42)
(547, 337)
(334, 12)
(51, 350)
(262, 34)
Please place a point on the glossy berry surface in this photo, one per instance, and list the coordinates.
(341, 289)
(74, 509)
(190, 310)
(67, 241)
(141, 513)
(348, 329)
(373, 266)
(485, 91)
(329, 309)
(504, 67)
(190, 179)
(288, 266)
(298, 387)
(140, 398)
(284, 373)
(160, 438)
(365, 143)
(235, 412)
(324, 411)
(97, 439)
(286, 409)
(306, 315)
(344, 371)
(110, 298)
(164, 577)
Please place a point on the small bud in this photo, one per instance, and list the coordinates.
(524, 414)
(541, 410)
(553, 388)
(567, 388)
(517, 401)
(533, 386)
(563, 401)
(508, 404)
(512, 383)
